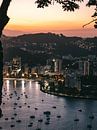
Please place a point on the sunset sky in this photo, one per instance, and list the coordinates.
(25, 17)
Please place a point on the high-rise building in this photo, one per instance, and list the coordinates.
(56, 65)
(86, 67)
(16, 65)
(26, 69)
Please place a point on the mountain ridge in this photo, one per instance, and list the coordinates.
(47, 45)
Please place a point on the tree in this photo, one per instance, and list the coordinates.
(67, 5)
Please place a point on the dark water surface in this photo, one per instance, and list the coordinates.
(22, 100)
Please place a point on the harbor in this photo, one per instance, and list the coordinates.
(25, 107)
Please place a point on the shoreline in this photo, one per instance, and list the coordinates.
(69, 96)
(54, 93)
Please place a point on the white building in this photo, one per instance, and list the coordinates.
(16, 65)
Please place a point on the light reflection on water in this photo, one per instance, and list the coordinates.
(37, 89)
(23, 85)
(30, 84)
(6, 85)
(29, 97)
(14, 83)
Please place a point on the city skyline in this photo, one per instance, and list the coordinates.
(26, 18)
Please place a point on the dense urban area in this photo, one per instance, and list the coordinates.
(65, 66)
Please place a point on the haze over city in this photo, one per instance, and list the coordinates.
(25, 17)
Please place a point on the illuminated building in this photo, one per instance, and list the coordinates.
(16, 65)
(26, 69)
(56, 65)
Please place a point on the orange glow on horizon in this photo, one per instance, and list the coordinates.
(60, 25)
(26, 17)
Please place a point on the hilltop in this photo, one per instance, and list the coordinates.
(37, 48)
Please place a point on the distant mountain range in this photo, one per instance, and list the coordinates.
(82, 32)
(37, 48)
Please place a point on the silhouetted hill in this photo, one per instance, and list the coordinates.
(27, 57)
(37, 48)
(45, 38)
